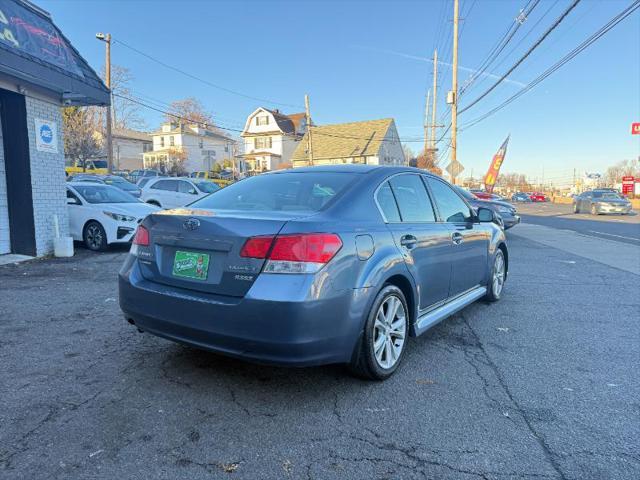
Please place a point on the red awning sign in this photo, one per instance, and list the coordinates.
(635, 128)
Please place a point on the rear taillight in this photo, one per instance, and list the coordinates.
(257, 247)
(141, 237)
(298, 253)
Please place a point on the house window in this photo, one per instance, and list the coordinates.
(171, 141)
(262, 120)
(226, 148)
(262, 142)
(200, 143)
(161, 142)
(147, 147)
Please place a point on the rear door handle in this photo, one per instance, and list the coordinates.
(457, 238)
(408, 241)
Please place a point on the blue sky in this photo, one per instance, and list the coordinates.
(369, 59)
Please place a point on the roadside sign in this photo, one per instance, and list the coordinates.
(635, 128)
(627, 184)
(455, 168)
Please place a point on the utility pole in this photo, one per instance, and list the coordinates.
(454, 90)
(309, 140)
(435, 96)
(426, 125)
(106, 38)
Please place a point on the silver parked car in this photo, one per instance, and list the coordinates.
(598, 202)
(336, 264)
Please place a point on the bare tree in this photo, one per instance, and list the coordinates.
(428, 161)
(81, 134)
(513, 182)
(189, 110)
(621, 169)
(408, 153)
(125, 113)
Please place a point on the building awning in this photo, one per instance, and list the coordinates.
(33, 51)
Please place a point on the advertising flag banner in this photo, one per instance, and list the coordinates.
(494, 169)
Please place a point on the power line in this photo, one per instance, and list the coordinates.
(200, 79)
(523, 58)
(502, 43)
(563, 61)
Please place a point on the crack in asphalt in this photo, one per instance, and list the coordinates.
(549, 454)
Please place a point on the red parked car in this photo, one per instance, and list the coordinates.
(538, 197)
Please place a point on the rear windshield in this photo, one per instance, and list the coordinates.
(304, 192)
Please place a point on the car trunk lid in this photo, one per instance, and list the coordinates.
(200, 249)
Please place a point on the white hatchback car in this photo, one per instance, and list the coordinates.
(173, 192)
(101, 214)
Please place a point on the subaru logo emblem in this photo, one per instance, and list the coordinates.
(191, 224)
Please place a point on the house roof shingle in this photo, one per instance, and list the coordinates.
(344, 140)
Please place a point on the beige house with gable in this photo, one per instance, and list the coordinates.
(372, 142)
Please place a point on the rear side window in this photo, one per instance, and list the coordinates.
(452, 208)
(387, 203)
(304, 192)
(168, 185)
(413, 199)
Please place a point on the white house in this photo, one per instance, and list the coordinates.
(198, 147)
(372, 142)
(271, 137)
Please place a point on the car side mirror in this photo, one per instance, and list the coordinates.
(485, 215)
(72, 201)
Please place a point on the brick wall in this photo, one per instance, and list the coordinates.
(47, 178)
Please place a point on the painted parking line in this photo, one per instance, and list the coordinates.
(617, 236)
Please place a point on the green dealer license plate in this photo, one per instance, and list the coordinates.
(191, 265)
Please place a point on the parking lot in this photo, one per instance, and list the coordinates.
(543, 384)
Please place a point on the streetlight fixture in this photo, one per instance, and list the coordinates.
(106, 38)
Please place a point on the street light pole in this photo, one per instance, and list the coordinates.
(106, 38)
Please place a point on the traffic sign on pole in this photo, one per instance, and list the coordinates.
(635, 128)
(455, 169)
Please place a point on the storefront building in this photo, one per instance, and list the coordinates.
(40, 72)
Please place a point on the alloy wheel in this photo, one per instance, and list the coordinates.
(498, 274)
(94, 237)
(389, 332)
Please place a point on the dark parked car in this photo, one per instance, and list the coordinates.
(336, 264)
(521, 197)
(597, 202)
(504, 210)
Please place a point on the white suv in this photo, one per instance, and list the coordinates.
(172, 192)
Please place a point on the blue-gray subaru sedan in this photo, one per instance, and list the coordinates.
(335, 264)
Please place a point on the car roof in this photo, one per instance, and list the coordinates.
(351, 168)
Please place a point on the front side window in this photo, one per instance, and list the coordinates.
(387, 203)
(412, 198)
(452, 208)
(167, 185)
(185, 187)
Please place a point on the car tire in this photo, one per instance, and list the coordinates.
(594, 210)
(498, 276)
(94, 236)
(390, 335)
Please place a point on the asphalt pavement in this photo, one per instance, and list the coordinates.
(543, 384)
(621, 228)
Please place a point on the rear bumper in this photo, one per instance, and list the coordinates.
(263, 326)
